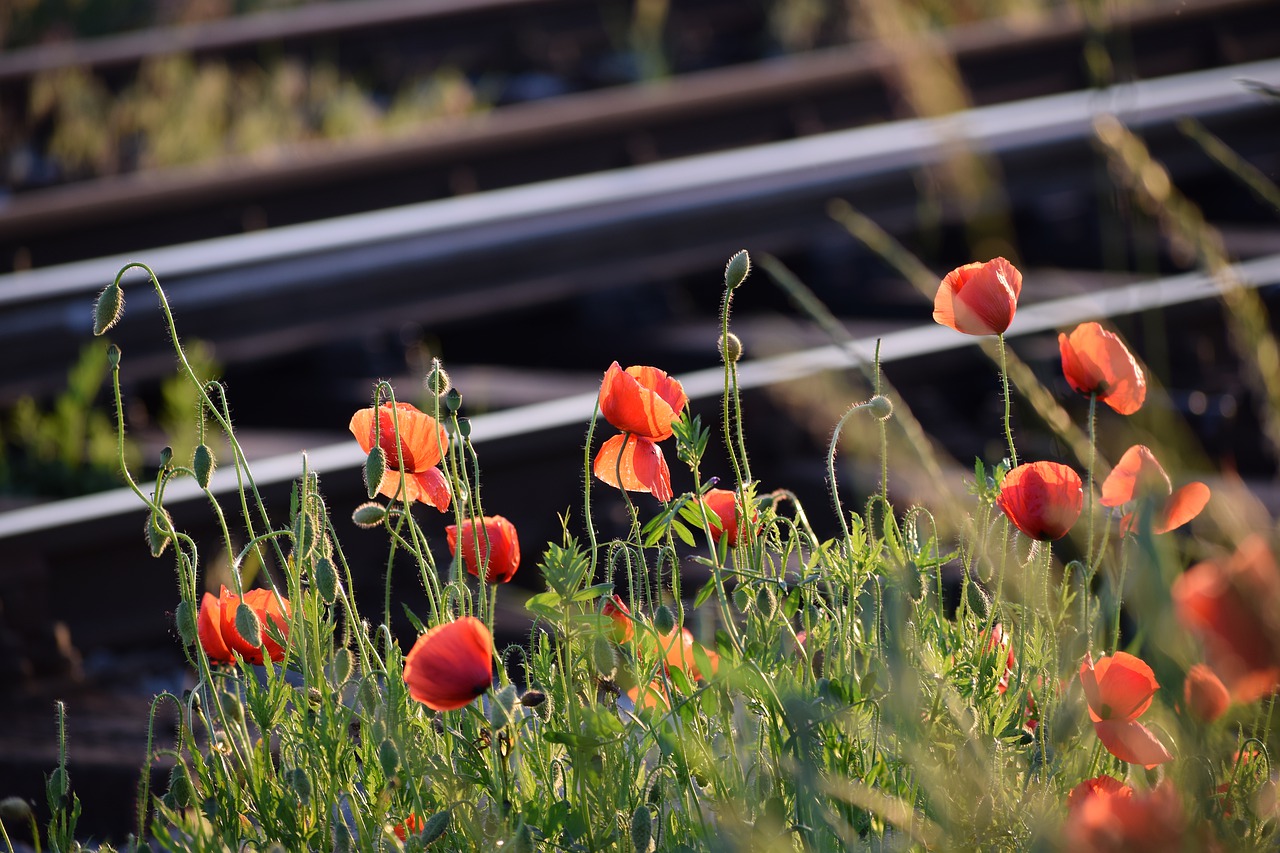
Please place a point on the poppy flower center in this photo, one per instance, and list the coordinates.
(1104, 711)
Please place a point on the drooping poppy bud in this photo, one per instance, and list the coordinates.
(1042, 499)
(979, 298)
(1206, 696)
(1095, 361)
(216, 625)
(450, 665)
(1139, 477)
(616, 610)
(1118, 690)
(422, 444)
(492, 544)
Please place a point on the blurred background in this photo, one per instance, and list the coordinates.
(337, 192)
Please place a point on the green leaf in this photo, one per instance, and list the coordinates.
(683, 532)
(592, 592)
(413, 619)
(704, 593)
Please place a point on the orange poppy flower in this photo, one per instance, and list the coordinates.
(1118, 690)
(1138, 476)
(216, 625)
(655, 697)
(724, 504)
(616, 610)
(979, 298)
(677, 649)
(1206, 696)
(450, 665)
(636, 464)
(492, 544)
(1233, 605)
(423, 443)
(1124, 822)
(1095, 361)
(1098, 786)
(643, 401)
(1042, 499)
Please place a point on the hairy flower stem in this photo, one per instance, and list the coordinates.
(1088, 508)
(1004, 385)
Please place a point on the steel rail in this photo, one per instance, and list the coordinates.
(577, 409)
(804, 91)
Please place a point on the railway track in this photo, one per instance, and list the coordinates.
(287, 289)
(773, 100)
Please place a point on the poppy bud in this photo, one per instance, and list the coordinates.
(342, 666)
(180, 787)
(326, 580)
(15, 810)
(533, 698)
(603, 658)
(369, 515)
(375, 466)
(881, 407)
(438, 381)
(389, 758)
(464, 427)
(248, 626)
(730, 347)
(664, 621)
(301, 785)
(185, 617)
(108, 308)
(642, 828)
(202, 463)
(434, 827)
(502, 708)
(737, 270)
(158, 536)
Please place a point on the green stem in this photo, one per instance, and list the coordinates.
(1004, 385)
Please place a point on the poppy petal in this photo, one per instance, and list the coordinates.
(430, 487)
(635, 464)
(208, 628)
(1132, 742)
(1206, 696)
(635, 400)
(1183, 505)
(1137, 474)
(450, 665)
(1126, 686)
(492, 543)
(423, 441)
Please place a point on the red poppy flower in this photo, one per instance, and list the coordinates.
(1119, 689)
(616, 610)
(423, 443)
(216, 625)
(492, 544)
(1098, 786)
(1119, 822)
(1233, 605)
(635, 464)
(1095, 361)
(450, 665)
(409, 826)
(1206, 696)
(1138, 476)
(724, 504)
(677, 650)
(979, 298)
(643, 401)
(1042, 499)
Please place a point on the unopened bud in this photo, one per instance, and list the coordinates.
(438, 381)
(641, 829)
(375, 465)
(533, 698)
(434, 827)
(180, 787)
(881, 407)
(730, 347)
(248, 625)
(369, 515)
(737, 270)
(664, 620)
(15, 811)
(389, 758)
(326, 579)
(157, 531)
(185, 617)
(202, 463)
(342, 666)
(108, 308)
(603, 658)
